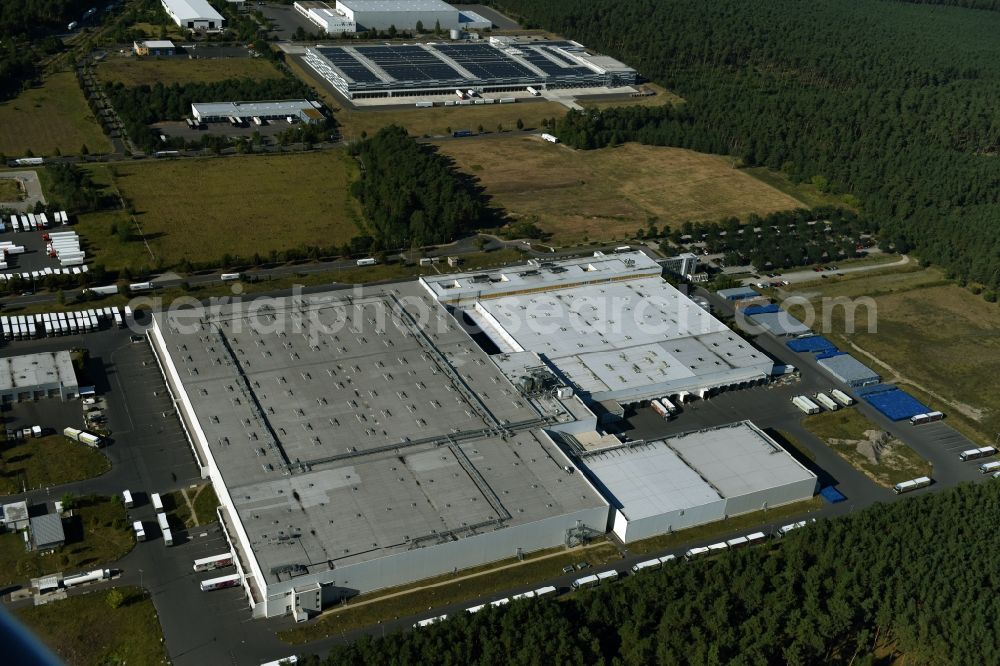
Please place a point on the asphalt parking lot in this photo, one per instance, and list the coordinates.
(34, 257)
(269, 130)
(285, 20)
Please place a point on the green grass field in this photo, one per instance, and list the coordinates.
(533, 570)
(85, 630)
(50, 117)
(10, 191)
(610, 193)
(842, 429)
(97, 534)
(201, 209)
(203, 500)
(47, 461)
(133, 71)
(804, 192)
(930, 334)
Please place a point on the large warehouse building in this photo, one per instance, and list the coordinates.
(401, 14)
(696, 478)
(194, 14)
(609, 325)
(397, 70)
(358, 443)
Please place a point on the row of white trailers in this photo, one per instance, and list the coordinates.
(65, 246)
(41, 274)
(530, 594)
(812, 405)
(50, 324)
(604, 577)
(32, 222)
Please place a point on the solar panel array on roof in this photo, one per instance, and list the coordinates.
(409, 63)
(349, 65)
(536, 55)
(484, 61)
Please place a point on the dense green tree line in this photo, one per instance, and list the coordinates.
(893, 102)
(782, 239)
(410, 194)
(29, 18)
(73, 189)
(915, 578)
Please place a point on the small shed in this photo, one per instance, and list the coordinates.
(15, 515)
(154, 47)
(738, 294)
(47, 532)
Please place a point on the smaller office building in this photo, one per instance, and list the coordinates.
(194, 15)
(154, 47)
(683, 265)
(47, 532)
(696, 478)
(330, 20)
(738, 294)
(35, 376)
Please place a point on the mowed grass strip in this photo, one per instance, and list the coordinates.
(10, 191)
(843, 429)
(98, 533)
(52, 116)
(533, 570)
(47, 461)
(132, 71)
(610, 193)
(85, 630)
(202, 209)
(930, 332)
(751, 522)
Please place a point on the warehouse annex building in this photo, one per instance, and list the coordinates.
(695, 478)
(609, 326)
(33, 376)
(358, 443)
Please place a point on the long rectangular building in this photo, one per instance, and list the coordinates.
(362, 442)
(394, 70)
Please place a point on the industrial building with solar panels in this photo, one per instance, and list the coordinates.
(364, 441)
(497, 66)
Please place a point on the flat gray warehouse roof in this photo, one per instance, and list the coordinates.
(649, 479)
(849, 370)
(739, 459)
(779, 323)
(37, 370)
(349, 428)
